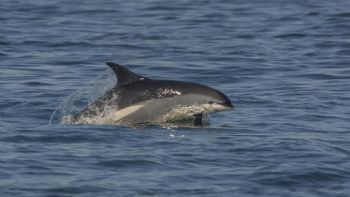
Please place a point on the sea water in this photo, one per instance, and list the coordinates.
(285, 65)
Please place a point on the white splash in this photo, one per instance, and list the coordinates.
(79, 99)
(184, 113)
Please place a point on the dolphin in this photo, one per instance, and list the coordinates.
(137, 100)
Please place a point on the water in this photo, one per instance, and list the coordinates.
(284, 64)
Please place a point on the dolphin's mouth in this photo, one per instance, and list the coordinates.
(228, 105)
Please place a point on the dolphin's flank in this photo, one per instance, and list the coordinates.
(138, 100)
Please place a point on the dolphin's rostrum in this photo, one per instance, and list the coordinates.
(138, 100)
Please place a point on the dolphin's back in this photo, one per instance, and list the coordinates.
(148, 89)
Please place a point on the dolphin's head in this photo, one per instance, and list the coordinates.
(217, 101)
(210, 99)
(214, 100)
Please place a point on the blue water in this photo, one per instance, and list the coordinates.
(284, 64)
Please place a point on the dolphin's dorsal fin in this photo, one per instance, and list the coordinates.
(124, 75)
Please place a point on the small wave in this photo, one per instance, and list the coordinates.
(4, 43)
(321, 76)
(36, 83)
(342, 15)
(167, 8)
(46, 139)
(345, 52)
(7, 104)
(304, 177)
(291, 35)
(127, 163)
(60, 191)
(56, 44)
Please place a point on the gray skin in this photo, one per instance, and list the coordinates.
(158, 98)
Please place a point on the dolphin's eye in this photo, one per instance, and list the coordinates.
(210, 102)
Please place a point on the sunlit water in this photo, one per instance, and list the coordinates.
(284, 64)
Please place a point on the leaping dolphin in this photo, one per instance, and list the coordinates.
(138, 100)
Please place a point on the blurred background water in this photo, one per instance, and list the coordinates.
(284, 64)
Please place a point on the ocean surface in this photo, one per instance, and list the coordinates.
(284, 64)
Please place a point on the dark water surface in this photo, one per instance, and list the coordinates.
(284, 64)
